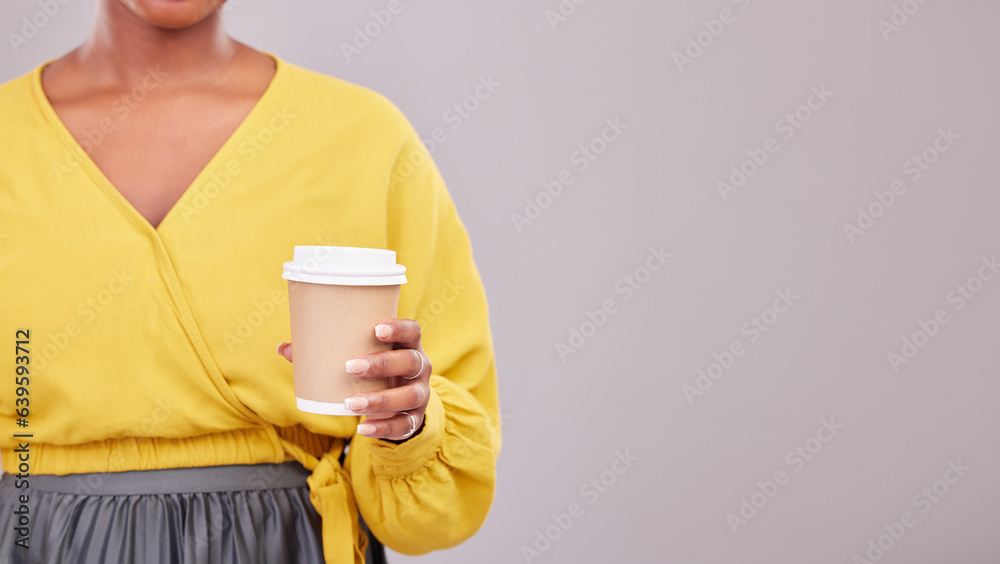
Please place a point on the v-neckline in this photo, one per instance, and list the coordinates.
(104, 183)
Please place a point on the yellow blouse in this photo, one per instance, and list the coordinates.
(154, 348)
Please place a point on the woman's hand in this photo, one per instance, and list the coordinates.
(397, 413)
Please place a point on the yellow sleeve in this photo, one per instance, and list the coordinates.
(434, 490)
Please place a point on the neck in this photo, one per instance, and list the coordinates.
(121, 47)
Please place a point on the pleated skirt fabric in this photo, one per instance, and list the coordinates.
(217, 515)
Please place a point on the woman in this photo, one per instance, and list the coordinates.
(154, 181)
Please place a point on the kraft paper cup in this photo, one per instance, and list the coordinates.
(336, 296)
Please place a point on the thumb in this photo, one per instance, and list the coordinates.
(285, 350)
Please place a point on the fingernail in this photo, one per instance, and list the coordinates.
(356, 404)
(382, 330)
(357, 366)
(281, 347)
(366, 428)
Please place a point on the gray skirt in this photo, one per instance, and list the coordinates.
(217, 515)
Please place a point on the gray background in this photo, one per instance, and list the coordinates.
(655, 185)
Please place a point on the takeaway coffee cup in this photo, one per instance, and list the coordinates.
(336, 296)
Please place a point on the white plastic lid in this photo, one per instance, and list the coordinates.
(344, 266)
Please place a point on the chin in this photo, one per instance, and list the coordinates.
(173, 14)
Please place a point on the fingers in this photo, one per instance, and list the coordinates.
(397, 413)
(402, 426)
(403, 332)
(413, 396)
(406, 363)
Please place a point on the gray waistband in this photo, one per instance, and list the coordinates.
(174, 480)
